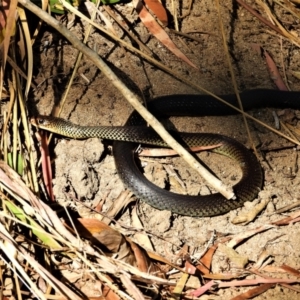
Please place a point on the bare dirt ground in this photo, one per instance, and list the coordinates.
(83, 170)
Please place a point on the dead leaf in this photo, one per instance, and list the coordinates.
(159, 258)
(141, 237)
(275, 75)
(157, 8)
(158, 31)
(239, 260)
(290, 270)
(205, 261)
(263, 257)
(120, 203)
(273, 70)
(143, 261)
(180, 284)
(202, 289)
(290, 219)
(111, 240)
(189, 268)
(254, 292)
(259, 280)
(238, 238)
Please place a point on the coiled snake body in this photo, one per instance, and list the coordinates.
(135, 132)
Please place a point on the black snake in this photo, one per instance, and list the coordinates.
(135, 131)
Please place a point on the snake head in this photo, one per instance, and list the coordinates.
(54, 125)
(40, 121)
(47, 123)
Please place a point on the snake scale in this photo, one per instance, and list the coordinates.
(135, 131)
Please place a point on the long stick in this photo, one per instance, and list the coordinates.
(131, 98)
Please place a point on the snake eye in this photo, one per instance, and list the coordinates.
(41, 121)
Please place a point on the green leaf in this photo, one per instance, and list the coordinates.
(110, 1)
(20, 163)
(37, 230)
(57, 8)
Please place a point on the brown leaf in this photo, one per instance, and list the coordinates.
(119, 204)
(109, 239)
(190, 268)
(238, 238)
(273, 70)
(254, 292)
(158, 9)
(205, 261)
(287, 220)
(144, 262)
(108, 294)
(290, 270)
(158, 31)
(159, 258)
(275, 75)
(113, 242)
(142, 259)
(7, 27)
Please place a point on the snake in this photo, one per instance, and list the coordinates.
(136, 132)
